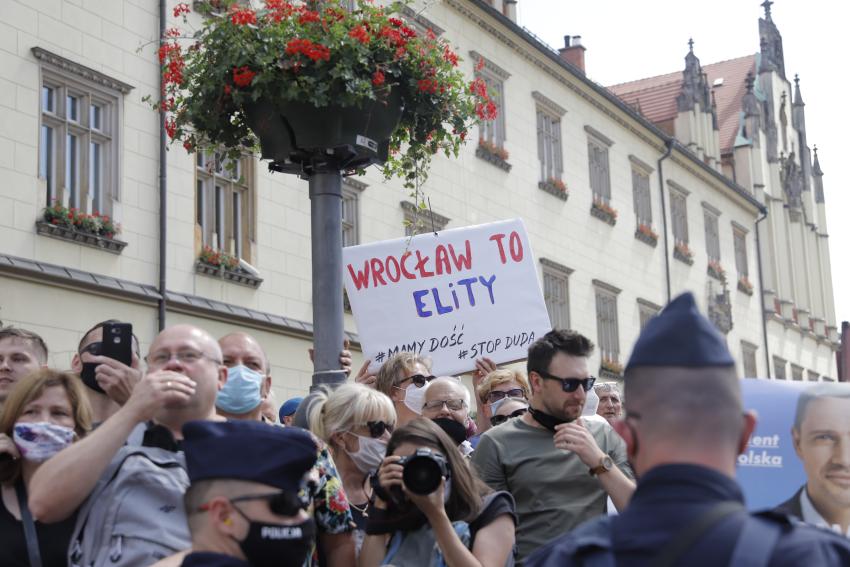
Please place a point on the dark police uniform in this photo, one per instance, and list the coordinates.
(207, 559)
(666, 501)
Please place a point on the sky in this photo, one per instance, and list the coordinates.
(629, 40)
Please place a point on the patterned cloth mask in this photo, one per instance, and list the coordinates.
(39, 441)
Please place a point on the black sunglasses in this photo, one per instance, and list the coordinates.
(496, 395)
(377, 428)
(418, 379)
(95, 349)
(280, 503)
(570, 384)
(499, 419)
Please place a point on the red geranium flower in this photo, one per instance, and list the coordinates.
(360, 34)
(243, 17)
(181, 8)
(378, 78)
(242, 76)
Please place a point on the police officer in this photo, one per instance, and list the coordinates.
(246, 503)
(684, 426)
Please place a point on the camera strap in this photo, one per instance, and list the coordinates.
(29, 525)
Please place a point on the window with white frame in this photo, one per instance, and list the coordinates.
(549, 150)
(556, 292)
(641, 192)
(225, 203)
(748, 359)
(739, 237)
(796, 372)
(597, 157)
(79, 134)
(712, 232)
(646, 311)
(492, 132)
(679, 215)
(351, 189)
(812, 376)
(606, 321)
(418, 220)
(779, 368)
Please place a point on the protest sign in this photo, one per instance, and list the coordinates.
(453, 296)
(774, 471)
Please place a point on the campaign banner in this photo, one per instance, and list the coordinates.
(798, 458)
(452, 296)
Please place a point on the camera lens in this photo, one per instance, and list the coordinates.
(422, 474)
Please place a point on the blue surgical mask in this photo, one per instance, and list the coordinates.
(241, 392)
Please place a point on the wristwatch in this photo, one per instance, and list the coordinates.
(605, 465)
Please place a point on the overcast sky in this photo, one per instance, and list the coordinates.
(628, 40)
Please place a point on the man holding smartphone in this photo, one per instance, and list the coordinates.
(109, 381)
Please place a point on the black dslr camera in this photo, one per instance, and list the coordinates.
(422, 473)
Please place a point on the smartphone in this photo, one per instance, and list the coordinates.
(118, 342)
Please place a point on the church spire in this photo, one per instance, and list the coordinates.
(816, 170)
(766, 5)
(773, 58)
(694, 84)
(798, 98)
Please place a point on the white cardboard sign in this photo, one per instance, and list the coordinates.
(453, 296)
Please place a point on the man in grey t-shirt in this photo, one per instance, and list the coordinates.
(557, 466)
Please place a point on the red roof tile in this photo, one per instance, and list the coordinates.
(656, 96)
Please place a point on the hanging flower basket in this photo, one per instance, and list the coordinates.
(317, 80)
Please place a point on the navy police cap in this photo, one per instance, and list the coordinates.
(248, 450)
(680, 336)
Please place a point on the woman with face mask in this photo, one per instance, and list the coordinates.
(356, 422)
(403, 378)
(44, 413)
(431, 509)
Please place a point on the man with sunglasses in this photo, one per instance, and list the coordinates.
(250, 508)
(557, 467)
(109, 382)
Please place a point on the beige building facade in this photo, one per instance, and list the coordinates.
(620, 214)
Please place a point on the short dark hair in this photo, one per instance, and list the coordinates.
(29, 337)
(815, 392)
(100, 326)
(541, 351)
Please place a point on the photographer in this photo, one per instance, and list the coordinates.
(425, 493)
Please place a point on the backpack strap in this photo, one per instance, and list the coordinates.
(681, 541)
(756, 543)
(33, 551)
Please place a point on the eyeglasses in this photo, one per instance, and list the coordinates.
(453, 405)
(418, 379)
(499, 419)
(95, 348)
(160, 359)
(377, 428)
(570, 384)
(280, 503)
(496, 395)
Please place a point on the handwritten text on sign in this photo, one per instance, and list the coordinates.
(455, 296)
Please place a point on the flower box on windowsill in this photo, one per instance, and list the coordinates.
(236, 275)
(493, 154)
(682, 253)
(604, 212)
(555, 187)
(745, 285)
(716, 271)
(64, 232)
(645, 234)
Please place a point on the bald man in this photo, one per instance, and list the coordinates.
(249, 378)
(184, 373)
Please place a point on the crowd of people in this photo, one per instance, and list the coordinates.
(182, 457)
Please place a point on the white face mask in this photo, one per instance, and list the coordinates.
(414, 398)
(370, 455)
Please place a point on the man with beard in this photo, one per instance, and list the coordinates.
(557, 467)
(821, 435)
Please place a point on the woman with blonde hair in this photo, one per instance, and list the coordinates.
(45, 412)
(403, 378)
(356, 422)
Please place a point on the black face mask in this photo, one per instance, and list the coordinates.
(87, 375)
(455, 430)
(546, 420)
(277, 545)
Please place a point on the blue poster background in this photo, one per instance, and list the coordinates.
(769, 470)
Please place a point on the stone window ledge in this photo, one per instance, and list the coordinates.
(683, 257)
(492, 157)
(236, 276)
(647, 236)
(552, 188)
(604, 213)
(112, 245)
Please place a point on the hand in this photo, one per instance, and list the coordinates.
(389, 474)
(365, 377)
(483, 367)
(8, 447)
(345, 361)
(116, 378)
(575, 437)
(429, 504)
(157, 390)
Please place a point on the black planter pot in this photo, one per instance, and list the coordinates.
(300, 133)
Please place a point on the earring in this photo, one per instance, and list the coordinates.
(228, 522)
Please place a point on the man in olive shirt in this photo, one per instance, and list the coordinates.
(558, 467)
